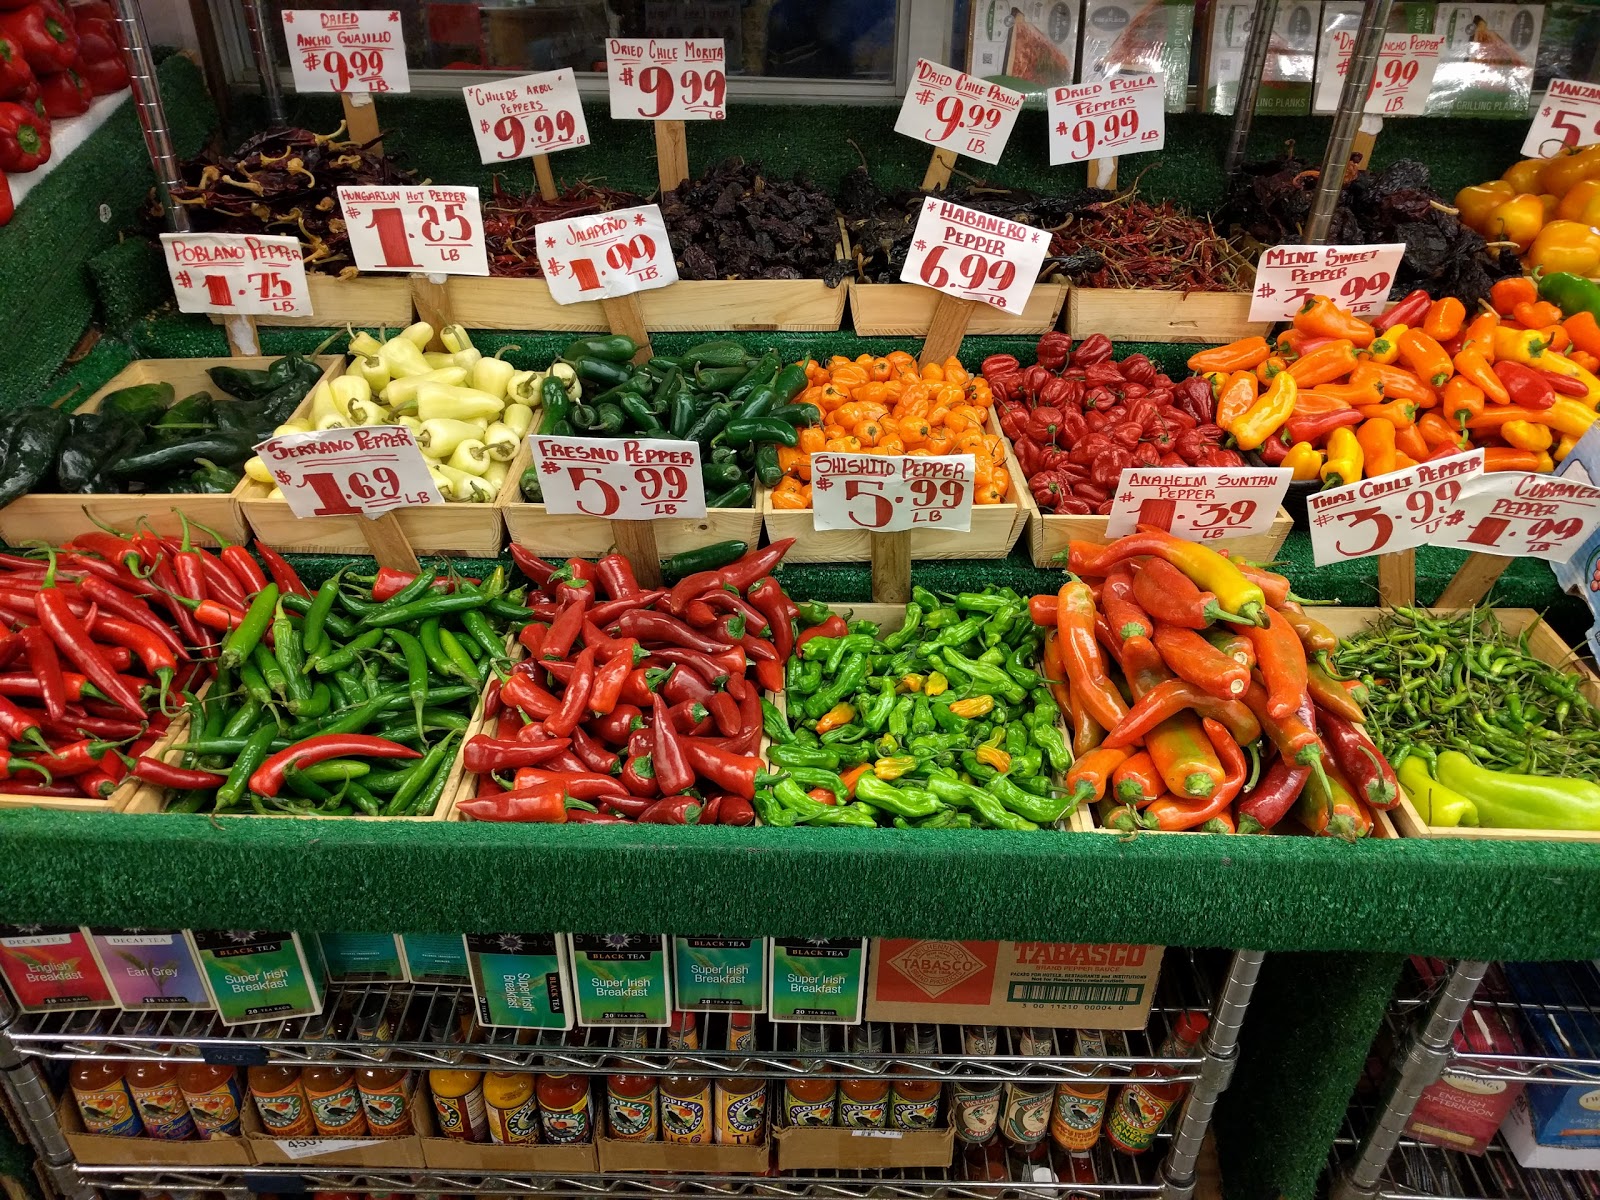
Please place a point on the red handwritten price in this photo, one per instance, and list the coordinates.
(631, 479)
(346, 51)
(438, 230)
(606, 255)
(977, 272)
(1400, 86)
(1358, 276)
(1393, 512)
(1201, 504)
(1118, 115)
(531, 114)
(242, 274)
(956, 111)
(1568, 116)
(974, 255)
(1523, 514)
(886, 493)
(365, 471)
(667, 79)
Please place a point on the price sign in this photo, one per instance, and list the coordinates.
(364, 471)
(1358, 277)
(974, 255)
(959, 112)
(528, 115)
(1393, 512)
(621, 479)
(887, 493)
(243, 274)
(667, 79)
(1519, 514)
(338, 50)
(1119, 115)
(1569, 115)
(1201, 504)
(609, 254)
(1406, 66)
(427, 229)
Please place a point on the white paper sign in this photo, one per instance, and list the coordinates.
(1120, 115)
(1199, 504)
(955, 111)
(621, 479)
(1569, 115)
(975, 256)
(1519, 514)
(667, 79)
(528, 115)
(1392, 512)
(1358, 277)
(366, 470)
(605, 255)
(1406, 66)
(427, 229)
(886, 493)
(346, 50)
(237, 273)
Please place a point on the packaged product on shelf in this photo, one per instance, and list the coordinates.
(361, 956)
(1138, 1111)
(520, 980)
(512, 1103)
(1080, 1108)
(620, 978)
(865, 1103)
(336, 1106)
(1031, 45)
(1555, 1001)
(385, 1091)
(810, 1100)
(719, 974)
(816, 980)
(914, 1103)
(1291, 59)
(1486, 66)
(281, 1101)
(149, 969)
(741, 1104)
(100, 1090)
(1133, 36)
(565, 1116)
(1460, 1112)
(434, 957)
(974, 1107)
(256, 975)
(1025, 1107)
(457, 1092)
(214, 1097)
(686, 1114)
(52, 968)
(633, 1101)
(153, 1084)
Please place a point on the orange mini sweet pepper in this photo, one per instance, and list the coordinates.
(1376, 439)
(1243, 355)
(1445, 318)
(1477, 371)
(1426, 357)
(1320, 315)
(1325, 364)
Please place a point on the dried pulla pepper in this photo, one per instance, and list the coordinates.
(1125, 242)
(736, 223)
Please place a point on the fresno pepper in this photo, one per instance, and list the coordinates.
(574, 698)
(1170, 813)
(592, 754)
(673, 772)
(483, 754)
(639, 776)
(1525, 386)
(580, 783)
(726, 770)
(1321, 316)
(606, 691)
(615, 576)
(564, 630)
(545, 805)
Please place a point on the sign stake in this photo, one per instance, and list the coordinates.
(948, 327)
(672, 155)
(891, 567)
(937, 176)
(430, 296)
(243, 341)
(361, 115)
(636, 542)
(1397, 578)
(389, 544)
(1474, 581)
(1103, 173)
(545, 176)
(625, 316)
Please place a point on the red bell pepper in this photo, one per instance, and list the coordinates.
(65, 94)
(15, 74)
(106, 75)
(94, 10)
(24, 143)
(45, 36)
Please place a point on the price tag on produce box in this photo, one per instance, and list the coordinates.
(1406, 67)
(1523, 514)
(426, 229)
(606, 255)
(667, 79)
(1200, 504)
(345, 50)
(975, 255)
(243, 274)
(620, 479)
(887, 493)
(1569, 115)
(1393, 512)
(958, 112)
(1358, 277)
(1124, 114)
(528, 115)
(367, 470)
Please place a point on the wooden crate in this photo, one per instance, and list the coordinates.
(906, 310)
(366, 301)
(689, 306)
(1143, 315)
(995, 528)
(577, 536)
(457, 530)
(54, 517)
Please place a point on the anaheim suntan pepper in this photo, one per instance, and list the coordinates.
(1203, 565)
(1080, 654)
(1089, 777)
(1170, 813)
(1196, 660)
(1136, 781)
(1271, 799)
(1171, 697)
(1171, 597)
(1359, 761)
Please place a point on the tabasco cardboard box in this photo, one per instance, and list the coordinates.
(1063, 985)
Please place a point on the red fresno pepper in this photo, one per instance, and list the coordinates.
(659, 627)
(564, 629)
(581, 783)
(8, 206)
(268, 777)
(531, 565)
(683, 684)
(575, 698)
(616, 577)
(592, 754)
(45, 664)
(739, 575)
(24, 141)
(604, 614)
(535, 806)
(608, 681)
(725, 712)
(766, 595)
(729, 771)
(639, 776)
(673, 772)
(736, 810)
(521, 691)
(483, 753)
(672, 810)
(833, 627)
(44, 35)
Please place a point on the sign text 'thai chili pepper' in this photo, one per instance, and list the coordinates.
(1392, 512)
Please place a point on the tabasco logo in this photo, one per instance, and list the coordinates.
(955, 972)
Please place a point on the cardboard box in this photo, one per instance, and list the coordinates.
(812, 1147)
(1518, 1133)
(1561, 1024)
(452, 1154)
(627, 1158)
(1062, 985)
(101, 1150)
(340, 1152)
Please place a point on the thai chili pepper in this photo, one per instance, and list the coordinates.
(1281, 658)
(1121, 609)
(575, 697)
(1204, 566)
(1090, 775)
(45, 665)
(1172, 598)
(1359, 761)
(1136, 781)
(1196, 660)
(1081, 657)
(267, 779)
(1171, 814)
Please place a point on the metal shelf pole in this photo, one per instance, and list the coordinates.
(1250, 73)
(30, 1099)
(1358, 79)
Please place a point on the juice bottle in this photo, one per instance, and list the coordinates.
(741, 1117)
(331, 1091)
(103, 1099)
(914, 1103)
(814, 1100)
(975, 1107)
(1025, 1108)
(385, 1091)
(685, 1099)
(213, 1096)
(633, 1102)
(1080, 1108)
(457, 1094)
(281, 1101)
(564, 1112)
(159, 1101)
(864, 1101)
(1140, 1109)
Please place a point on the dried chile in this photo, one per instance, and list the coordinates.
(734, 222)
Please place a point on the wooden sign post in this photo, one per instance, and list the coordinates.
(545, 177)
(937, 177)
(891, 567)
(625, 316)
(430, 297)
(361, 117)
(1474, 581)
(636, 542)
(243, 340)
(1397, 579)
(672, 155)
(389, 544)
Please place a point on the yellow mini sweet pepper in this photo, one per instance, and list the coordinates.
(1560, 364)
(1570, 417)
(1266, 414)
(1304, 459)
(1526, 435)
(1520, 345)
(1569, 246)
(1345, 459)
(1385, 347)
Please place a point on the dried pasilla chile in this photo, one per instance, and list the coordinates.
(734, 222)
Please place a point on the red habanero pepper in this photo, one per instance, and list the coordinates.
(671, 760)
(482, 753)
(659, 627)
(727, 771)
(286, 577)
(833, 627)
(1281, 658)
(672, 810)
(639, 776)
(616, 725)
(592, 754)
(531, 565)
(153, 770)
(615, 575)
(521, 691)
(268, 777)
(45, 665)
(1359, 761)
(73, 640)
(564, 630)
(575, 698)
(766, 595)
(725, 712)
(605, 613)
(608, 681)
(1170, 813)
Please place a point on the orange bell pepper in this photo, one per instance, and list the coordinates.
(1321, 316)
(1506, 294)
(1463, 400)
(1376, 439)
(1425, 357)
(1325, 364)
(1445, 318)
(1477, 371)
(1479, 334)
(1243, 355)
(1235, 398)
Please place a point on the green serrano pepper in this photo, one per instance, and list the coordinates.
(244, 637)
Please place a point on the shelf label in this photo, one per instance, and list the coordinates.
(816, 979)
(1119, 115)
(298, 1148)
(527, 115)
(1569, 115)
(345, 50)
(667, 79)
(241, 274)
(975, 255)
(891, 1134)
(620, 479)
(954, 111)
(427, 229)
(1524, 514)
(1393, 512)
(606, 255)
(365, 471)
(1200, 504)
(1358, 277)
(888, 493)
(1406, 67)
